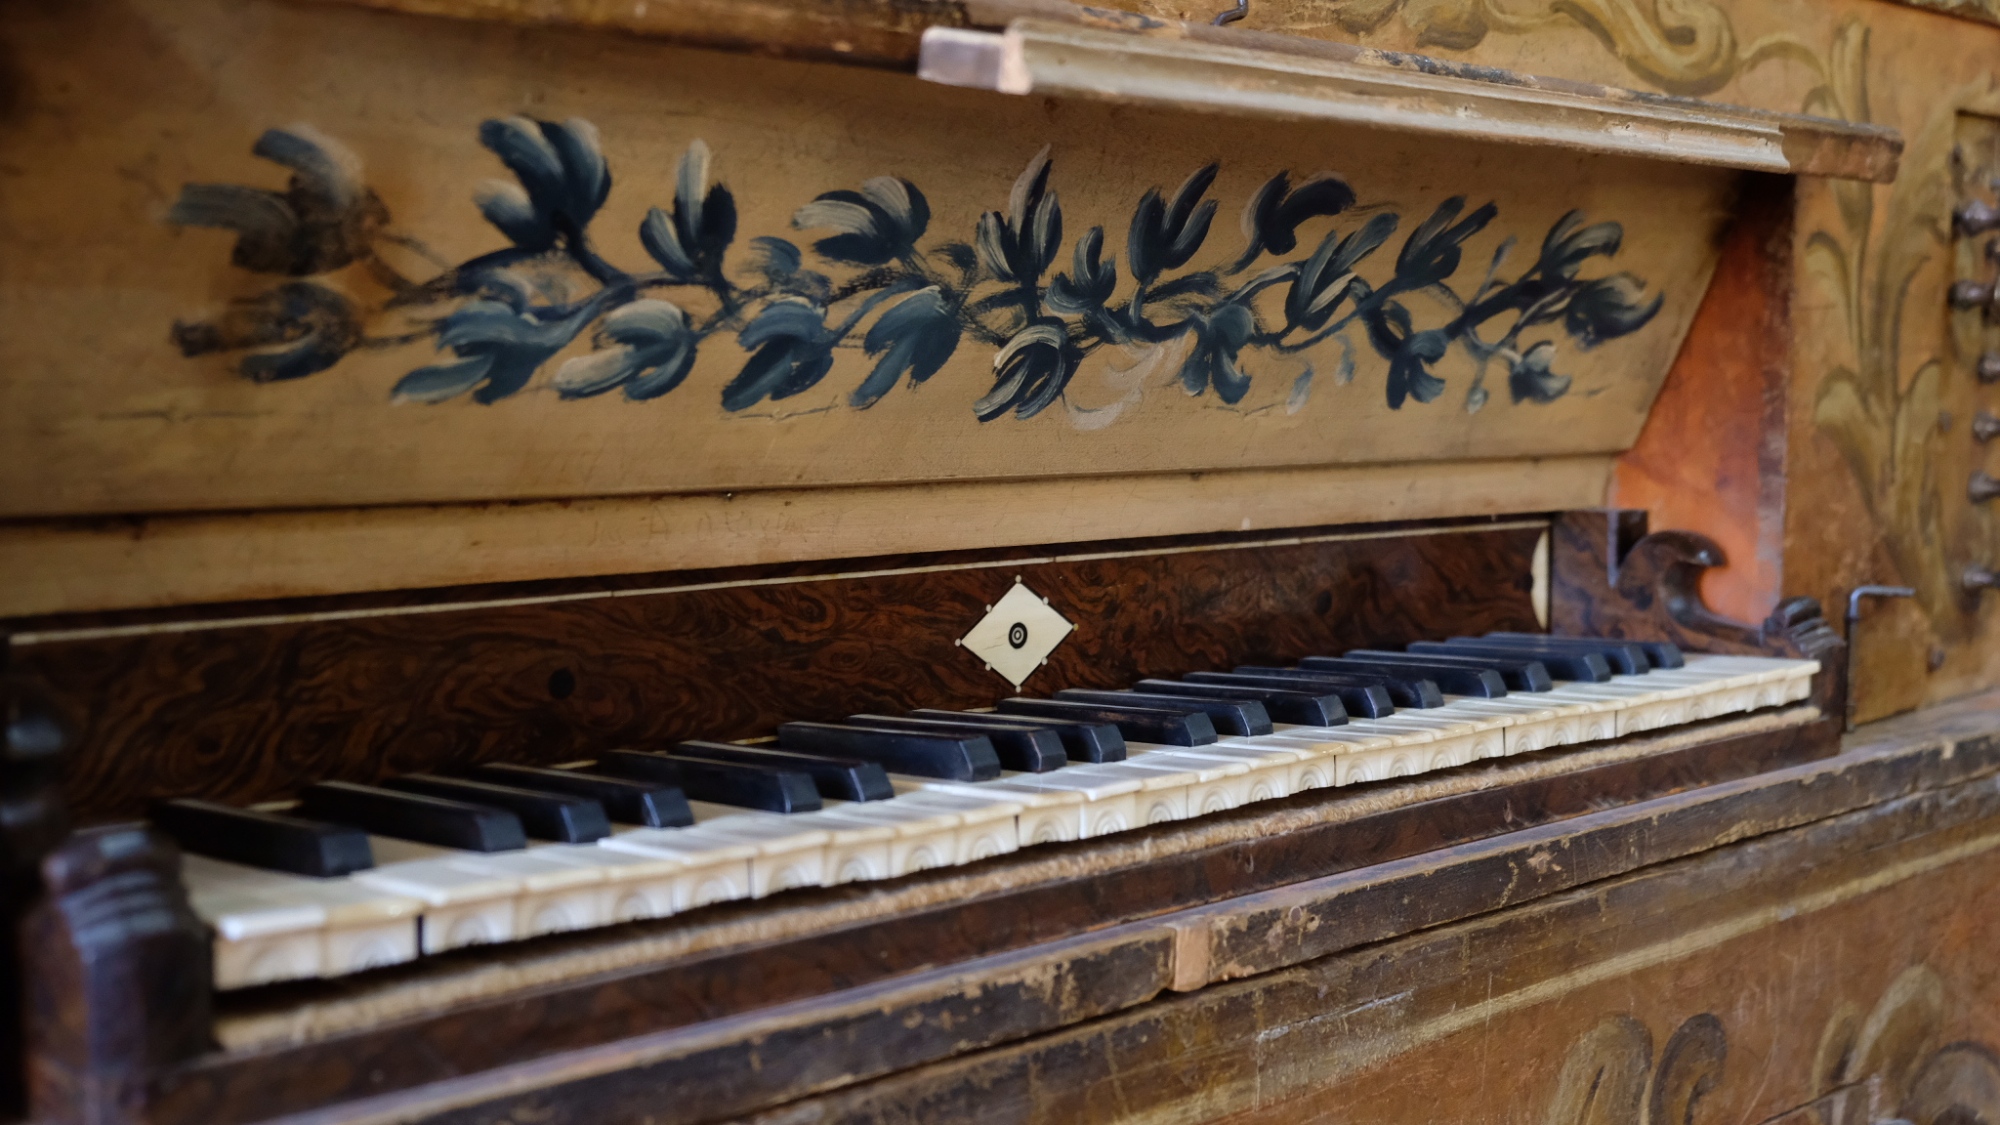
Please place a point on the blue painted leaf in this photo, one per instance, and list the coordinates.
(918, 335)
(792, 350)
(563, 179)
(1432, 252)
(1212, 362)
(513, 343)
(691, 241)
(1410, 354)
(1165, 235)
(1608, 308)
(1030, 371)
(324, 219)
(1569, 243)
(1091, 280)
(1019, 245)
(298, 329)
(1529, 378)
(775, 258)
(1272, 218)
(880, 223)
(443, 381)
(645, 347)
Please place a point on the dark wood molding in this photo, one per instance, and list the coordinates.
(33, 821)
(1611, 576)
(219, 708)
(1115, 881)
(118, 977)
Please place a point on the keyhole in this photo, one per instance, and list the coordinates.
(562, 683)
(1017, 635)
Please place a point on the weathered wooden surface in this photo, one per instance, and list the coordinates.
(583, 1008)
(156, 561)
(1890, 808)
(243, 708)
(117, 975)
(1711, 457)
(1873, 475)
(1202, 68)
(298, 383)
(1845, 962)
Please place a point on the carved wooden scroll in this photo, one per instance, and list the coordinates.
(117, 973)
(1609, 576)
(32, 820)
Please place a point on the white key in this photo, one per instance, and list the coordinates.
(632, 887)
(789, 851)
(1048, 813)
(987, 824)
(1213, 784)
(1162, 796)
(272, 926)
(1528, 725)
(716, 868)
(915, 837)
(461, 906)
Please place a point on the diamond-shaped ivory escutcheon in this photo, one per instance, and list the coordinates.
(1017, 634)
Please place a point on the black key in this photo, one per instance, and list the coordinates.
(842, 779)
(627, 801)
(269, 840)
(414, 816)
(1140, 724)
(1082, 742)
(707, 771)
(1237, 717)
(1517, 674)
(1625, 658)
(1028, 749)
(1483, 683)
(1584, 667)
(1304, 708)
(1405, 690)
(1362, 700)
(952, 757)
(548, 816)
(1659, 654)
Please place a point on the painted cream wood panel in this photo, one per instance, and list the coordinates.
(127, 102)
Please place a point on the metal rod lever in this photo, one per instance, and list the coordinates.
(1854, 597)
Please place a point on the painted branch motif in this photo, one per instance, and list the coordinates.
(873, 284)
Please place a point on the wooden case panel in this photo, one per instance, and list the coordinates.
(340, 292)
(247, 708)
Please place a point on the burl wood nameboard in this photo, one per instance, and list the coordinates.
(269, 254)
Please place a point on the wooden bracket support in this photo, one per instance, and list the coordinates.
(1611, 576)
(118, 975)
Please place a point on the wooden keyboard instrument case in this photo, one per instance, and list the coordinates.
(405, 393)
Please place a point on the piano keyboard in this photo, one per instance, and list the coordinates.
(352, 877)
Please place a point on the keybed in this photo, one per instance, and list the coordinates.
(511, 852)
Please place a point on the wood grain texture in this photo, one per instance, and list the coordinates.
(1827, 956)
(253, 712)
(117, 968)
(1610, 577)
(1203, 68)
(181, 401)
(590, 1031)
(1711, 458)
(33, 821)
(76, 566)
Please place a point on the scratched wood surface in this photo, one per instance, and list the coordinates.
(373, 339)
(242, 706)
(1875, 409)
(1840, 966)
(1806, 891)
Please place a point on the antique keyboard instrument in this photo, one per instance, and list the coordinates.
(823, 539)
